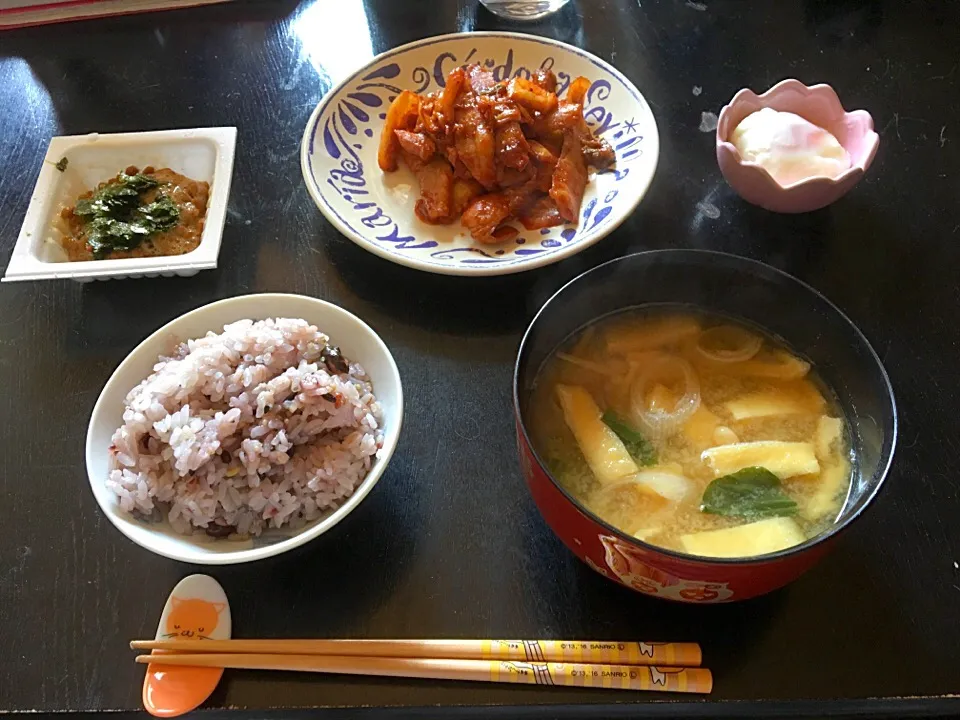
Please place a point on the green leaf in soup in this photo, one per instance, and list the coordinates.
(751, 493)
(637, 445)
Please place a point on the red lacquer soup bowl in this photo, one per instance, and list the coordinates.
(739, 288)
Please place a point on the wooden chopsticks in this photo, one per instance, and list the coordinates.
(670, 667)
(627, 653)
(613, 677)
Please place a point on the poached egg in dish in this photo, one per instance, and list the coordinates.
(789, 147)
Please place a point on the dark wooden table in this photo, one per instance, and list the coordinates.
(449, 543)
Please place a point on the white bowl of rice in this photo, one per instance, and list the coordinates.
(244, 428)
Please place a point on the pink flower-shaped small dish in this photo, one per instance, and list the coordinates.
(818, 104)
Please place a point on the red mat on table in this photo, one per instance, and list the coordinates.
(21, 13)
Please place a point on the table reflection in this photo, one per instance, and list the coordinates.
(26, 102)
(335, 36)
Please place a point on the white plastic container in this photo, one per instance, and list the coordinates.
(203, 154)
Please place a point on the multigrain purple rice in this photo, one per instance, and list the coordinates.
(246, 430)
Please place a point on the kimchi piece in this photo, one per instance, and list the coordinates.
(495, 154)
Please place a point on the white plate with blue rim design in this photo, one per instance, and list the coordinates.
(338, 155)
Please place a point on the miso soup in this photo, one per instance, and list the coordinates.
(692, 432)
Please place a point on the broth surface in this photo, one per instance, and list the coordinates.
(638, 368)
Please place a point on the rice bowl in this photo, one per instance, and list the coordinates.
(247, 431)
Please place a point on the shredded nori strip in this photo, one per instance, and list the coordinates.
(115, 218)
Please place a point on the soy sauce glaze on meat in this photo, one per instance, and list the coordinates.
(492, 152)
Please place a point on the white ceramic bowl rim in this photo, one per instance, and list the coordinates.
(638, 185)
(316, 528)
